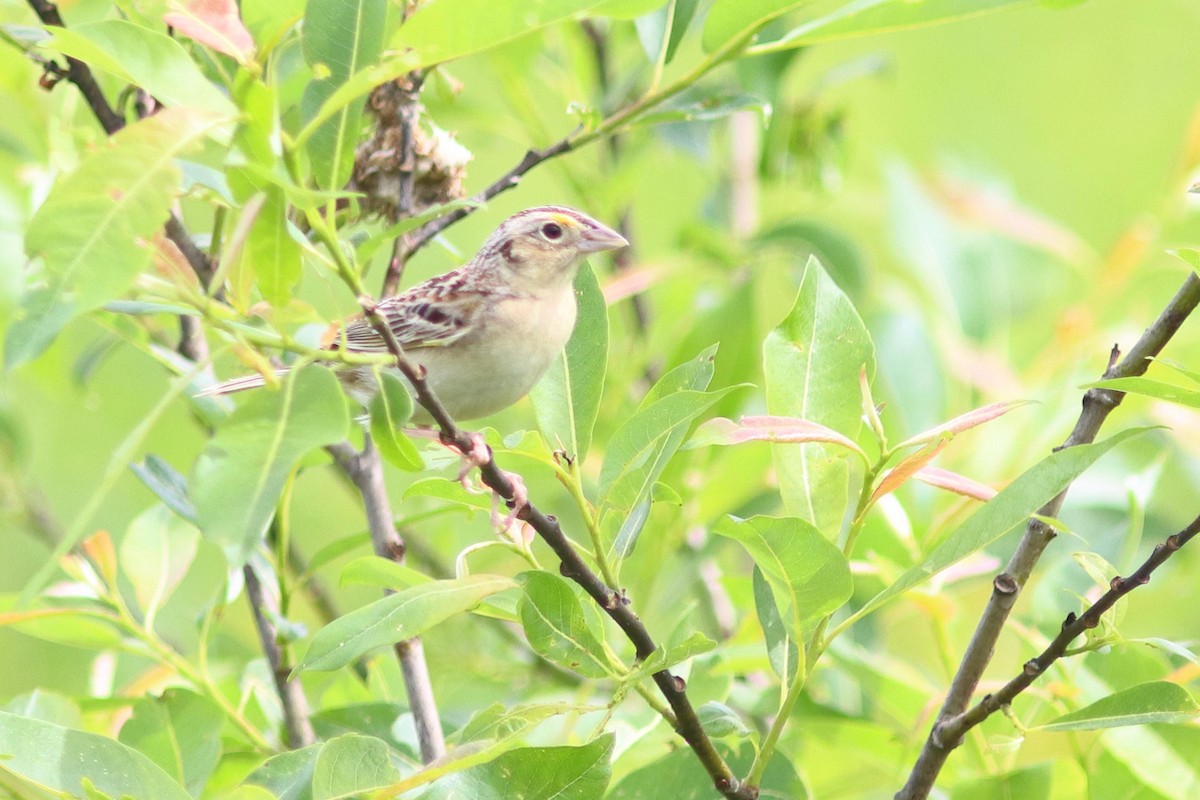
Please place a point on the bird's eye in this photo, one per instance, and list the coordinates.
(552, 230)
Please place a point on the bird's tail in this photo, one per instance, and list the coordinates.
(237, 384)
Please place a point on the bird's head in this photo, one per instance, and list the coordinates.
(544, 246)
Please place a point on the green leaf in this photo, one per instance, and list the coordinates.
(181, 732)
(156, 553)
(148, 59)
(1151, 388)
(351, 765)
(640, 450)
(47, 707)
(837, 19)
(677, 770)
(288, 775)
(390, 408)
(728, 20)
(691, 107)
(719, 720)
(811, 362)
(1011, 507)
(626, 9)
(450, 29)
(377, 571)
(1157, 701)
(534, 773)
(395, 618)
(451, 491)
(498, 722)
(808, 575)
(1030, 783)
(167, 484)
(239, 476)
(271, 251)
(62, 760)
(43, 313)
(340, 38)
(782, 651)
(555, 626)
(651, 29)
(94, 230)
(567, 399)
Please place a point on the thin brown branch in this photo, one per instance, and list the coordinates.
(365, 469)
(1097, 405)
(952, 730)
(291, 694)
(573, 567)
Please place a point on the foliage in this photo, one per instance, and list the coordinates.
(790, 432)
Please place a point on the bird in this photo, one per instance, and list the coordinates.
(485, 332)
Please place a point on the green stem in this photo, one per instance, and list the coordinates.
(572, 479)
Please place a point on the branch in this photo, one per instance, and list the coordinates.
(291, 693)
(407, 111)
(952, 730)
(572, 566)
(1097, 405)
(365, 469)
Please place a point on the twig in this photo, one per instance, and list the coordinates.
(291, 694)
(573, 567)
(952, 730)
(1006, 587)
(365, 469)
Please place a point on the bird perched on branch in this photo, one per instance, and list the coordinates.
(487, 331)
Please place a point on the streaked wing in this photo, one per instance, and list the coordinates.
(432, 314)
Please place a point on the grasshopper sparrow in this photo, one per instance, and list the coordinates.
(487, 331)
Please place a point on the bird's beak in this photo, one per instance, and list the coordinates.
(597, 238)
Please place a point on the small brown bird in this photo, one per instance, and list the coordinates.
(487, 331)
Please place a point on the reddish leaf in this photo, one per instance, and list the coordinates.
(780, 430)
(953, 482)
(900, 474)
(964, 422)
(214, 23)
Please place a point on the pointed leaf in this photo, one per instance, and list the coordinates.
(240, 474)
(812, 362)
(728, 20)
(167, 484)
(838, 19)
(807, 574)
(782, 651)
(215, 23)
(780, 430)
(1152, 388)
(640, 450)
(288, 776)
(1157, 701)
(181, 732)
(271, 252)
(145, 58)
(390, 408)
(964, 422)
(450, 29)
(567, 399)
(1011, 507)
(555, 626)
(340, 38)
(953, 482)
(397, 617)
(156, 553)
(350, 766)
(898, 475)
(535, 773)
(62, 760)
(94, 230)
